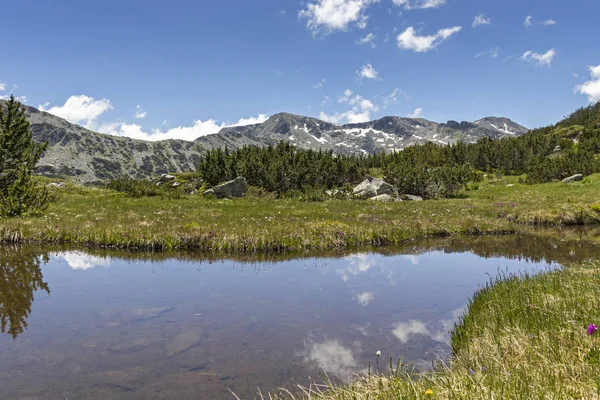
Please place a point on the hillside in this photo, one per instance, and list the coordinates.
(89, 157)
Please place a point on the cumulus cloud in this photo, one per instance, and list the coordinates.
(481, 20)
(416, 114)
(369, 39)
(327, 16)
(410, 40)
(139, 112)
(360, 110)
(368, 72)
(83, 110)
(527, 22)
(591, 88)
(539, 59)
(419, 4)
(199, 128)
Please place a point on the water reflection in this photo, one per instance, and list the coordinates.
(192, 326)
(20, 278)
(83, 261)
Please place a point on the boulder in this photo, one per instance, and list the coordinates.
(372, 187)
(384, 198)
(574, 178)
(410, 197)
(235, 188)
(167, 177)
(175, 184)
(57, 184)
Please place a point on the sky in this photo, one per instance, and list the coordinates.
(182, 69)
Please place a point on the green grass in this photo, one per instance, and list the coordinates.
(522, 338)
(97, 217)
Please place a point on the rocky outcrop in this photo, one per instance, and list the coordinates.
(574, 178)
(235, 188)
(372, 187)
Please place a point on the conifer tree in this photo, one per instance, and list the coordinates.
(18, 156)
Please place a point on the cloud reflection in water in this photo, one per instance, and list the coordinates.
(81, 261)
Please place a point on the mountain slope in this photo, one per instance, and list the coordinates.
(90, 157)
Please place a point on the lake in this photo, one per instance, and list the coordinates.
(119, 325)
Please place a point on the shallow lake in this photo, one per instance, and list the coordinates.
(133, 326)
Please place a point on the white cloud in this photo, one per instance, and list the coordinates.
(83, 261)
(320, 84)
(548, 22)
(481, 20)
(82, 110)
(410, 40)
(139, 112)
(2, 86)
(591, 88)
(369, 39)
(199, 128)
(539, 59)
(328, 16)
(391, 99)
(404, 330)
(358, 264)
(368, 72)
(492, 53)
(331, 356)
(416, 114)
(419, 4)
(364, 298)
(527, 22)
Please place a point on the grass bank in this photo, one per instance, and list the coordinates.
(98, 217)
(522, 338)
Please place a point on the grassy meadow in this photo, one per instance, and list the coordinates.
(85, 216)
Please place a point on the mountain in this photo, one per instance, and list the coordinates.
(385, 134)
(90, 157)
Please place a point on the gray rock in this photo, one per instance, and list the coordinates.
(167, 177)
(335, 194)
(159, 183)
(57, 184)
(235, 188)
(384, 198)
(176, 184)
(574, 178)
(372, 187)
(410, 197)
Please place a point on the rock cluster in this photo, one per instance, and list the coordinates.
(379, 190)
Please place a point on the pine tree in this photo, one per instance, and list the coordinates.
(18, 156)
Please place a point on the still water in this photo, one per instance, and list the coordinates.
(98, 325)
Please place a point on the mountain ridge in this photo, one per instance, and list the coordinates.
(89, 157)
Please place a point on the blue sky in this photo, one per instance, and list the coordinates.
(181, 69)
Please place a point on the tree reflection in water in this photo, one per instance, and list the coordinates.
(20, 277)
